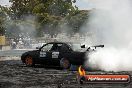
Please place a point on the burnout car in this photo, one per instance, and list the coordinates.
(56, 54)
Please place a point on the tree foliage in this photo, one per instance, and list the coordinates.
(50, 7)
(3, 17)
(77, 20)
(49, 15)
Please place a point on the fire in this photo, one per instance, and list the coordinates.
(81, 71)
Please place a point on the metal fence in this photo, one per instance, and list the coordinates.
(13, 52)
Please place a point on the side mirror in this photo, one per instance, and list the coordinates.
(83, 46)
(37, 47)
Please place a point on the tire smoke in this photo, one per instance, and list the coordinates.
(111, 22)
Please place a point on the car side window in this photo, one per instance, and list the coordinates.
(56, 47)
(64, 48)
(47, 47)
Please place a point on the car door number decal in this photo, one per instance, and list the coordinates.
(55, 54)
(42, 54)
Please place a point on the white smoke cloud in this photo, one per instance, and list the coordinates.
(28, 26)
(111, 22)
(111, 59)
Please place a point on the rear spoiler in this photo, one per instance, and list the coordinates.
(95, 47)
(98, 46)
(83, 46)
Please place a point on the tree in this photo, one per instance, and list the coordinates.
(77, 20)
(3, 17)
(22, 7)
(50, 14)
(51, 7)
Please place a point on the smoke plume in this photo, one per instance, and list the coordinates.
(111, 22)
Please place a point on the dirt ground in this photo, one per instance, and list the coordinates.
(14, 74)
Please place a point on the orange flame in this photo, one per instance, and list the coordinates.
(81, 71)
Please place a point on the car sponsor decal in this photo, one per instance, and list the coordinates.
(42, 54)
(55, 54)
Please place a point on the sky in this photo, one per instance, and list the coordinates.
(81, 4)
(4, 2)
(84, 4)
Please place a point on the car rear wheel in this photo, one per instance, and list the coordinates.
(64, 63)
(29, 61)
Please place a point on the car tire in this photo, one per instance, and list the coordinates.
(29, 61)
(64, 63)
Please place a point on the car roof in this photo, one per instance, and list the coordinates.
(57, 43)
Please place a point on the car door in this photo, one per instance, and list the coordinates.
(55, 58)
(46, 54)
